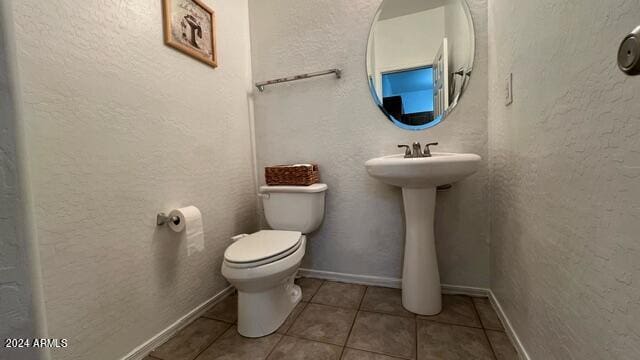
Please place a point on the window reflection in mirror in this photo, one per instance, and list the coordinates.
(419, 59)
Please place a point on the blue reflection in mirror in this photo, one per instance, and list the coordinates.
(407, 97)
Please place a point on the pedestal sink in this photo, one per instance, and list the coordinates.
(418, 178)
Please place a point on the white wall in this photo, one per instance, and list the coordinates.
(566, 170)
(119, 127)
(409, 40)
(336, 124)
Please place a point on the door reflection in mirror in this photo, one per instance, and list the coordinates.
(419, 58)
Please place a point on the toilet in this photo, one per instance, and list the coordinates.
(263, 265)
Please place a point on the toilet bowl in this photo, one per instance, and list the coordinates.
(266, 292)
(262, 266)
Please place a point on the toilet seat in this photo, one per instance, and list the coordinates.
(262, 247)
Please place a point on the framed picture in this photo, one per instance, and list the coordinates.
(189, 26)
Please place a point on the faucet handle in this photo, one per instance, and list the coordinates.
(427, 151)
(407, 151)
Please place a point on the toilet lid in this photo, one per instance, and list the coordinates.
(262, 245)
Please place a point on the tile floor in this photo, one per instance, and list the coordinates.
(349, 322)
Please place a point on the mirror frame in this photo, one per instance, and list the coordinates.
(453, 103)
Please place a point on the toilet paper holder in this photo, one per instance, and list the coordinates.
(162, 219)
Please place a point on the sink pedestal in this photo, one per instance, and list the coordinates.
(420, 277)
(418, 178)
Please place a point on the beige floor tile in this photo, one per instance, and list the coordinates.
(384, 300)
(323, 323)
(226, 310)
(291, 318)
(457, 310)
(233, 346)
(291, 348)
(502, 346)
(191, 340)
(339, 294)
(437, 341)
(385, 334)
(353, 354)
(309, 287)
(488, 316)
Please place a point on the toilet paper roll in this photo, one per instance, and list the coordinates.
(189, 218)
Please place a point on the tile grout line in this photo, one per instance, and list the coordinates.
(377, 353)
(370, 311)
(276, 345)
(313, 340)
(213, 341)
(373, 312)
(317, 290)
(355, 318)
(293, 320)
(304, 306)
(220, 320)
(308, 303)
(341, 357)
(229, 325)
(484, 330)
(204, 315)
(449, 323)
(419, 318)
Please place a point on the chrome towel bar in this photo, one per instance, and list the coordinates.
(261, 85)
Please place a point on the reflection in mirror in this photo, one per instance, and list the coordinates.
(419, 59)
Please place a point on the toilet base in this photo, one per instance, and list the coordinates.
(262, 313)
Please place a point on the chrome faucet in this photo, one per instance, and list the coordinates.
(417, 150)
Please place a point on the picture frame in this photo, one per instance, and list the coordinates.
(190, 27)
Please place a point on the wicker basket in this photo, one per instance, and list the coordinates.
(292, 175)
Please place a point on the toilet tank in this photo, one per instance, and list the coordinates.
(295, 208)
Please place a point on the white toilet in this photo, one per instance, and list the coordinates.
(262, 266)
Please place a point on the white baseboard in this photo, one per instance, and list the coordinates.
(464, 290)
(352, 278)
(446, 289)
(515, 340)
(395, 283)
(143, 350)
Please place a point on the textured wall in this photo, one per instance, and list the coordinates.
(565, 173)
(119, 127)
(16, 309)
(336, 124)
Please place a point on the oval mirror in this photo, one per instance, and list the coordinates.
(419, 59)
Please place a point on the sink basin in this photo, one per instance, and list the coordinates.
(426, 172)
(418, 178)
